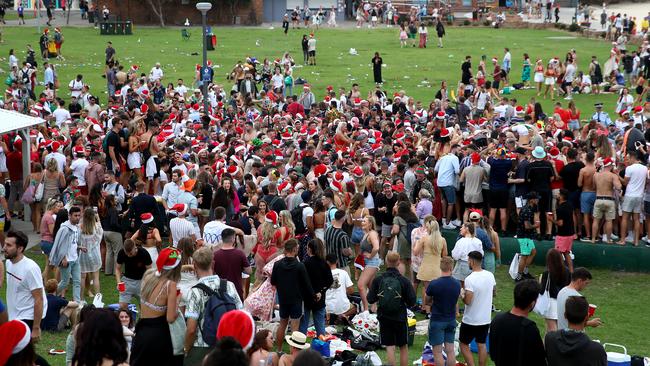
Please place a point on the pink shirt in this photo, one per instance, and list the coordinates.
(48, 219)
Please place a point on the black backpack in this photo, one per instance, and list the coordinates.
(390, 295)
(219, 302)
(296, 216)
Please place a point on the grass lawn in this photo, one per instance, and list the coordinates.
(417, 71)
(617, 295)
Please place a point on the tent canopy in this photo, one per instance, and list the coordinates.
(12, 121)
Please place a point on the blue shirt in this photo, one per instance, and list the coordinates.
(444, 291)
(448, 167)
(54, 306)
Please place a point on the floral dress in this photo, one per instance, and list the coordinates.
(91, 259)
(260, 302)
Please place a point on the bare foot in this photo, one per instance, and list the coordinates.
(621, 243)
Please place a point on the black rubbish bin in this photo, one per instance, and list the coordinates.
(91, 17)
(208, 41)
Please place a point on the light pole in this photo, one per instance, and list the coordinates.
(204, 8)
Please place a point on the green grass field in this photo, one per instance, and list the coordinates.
(417, 71)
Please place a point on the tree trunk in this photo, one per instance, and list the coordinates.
(157, 10)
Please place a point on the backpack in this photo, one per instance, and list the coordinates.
(219, 302)
(410, 226)
(390, 295)
(296, 216)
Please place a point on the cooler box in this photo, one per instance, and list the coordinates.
(617, 358)
(411, 324)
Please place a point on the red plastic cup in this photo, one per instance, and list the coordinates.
(178, 292)
(592, 310)
(121, 287)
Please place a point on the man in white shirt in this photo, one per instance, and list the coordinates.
(477, 297)
(634, 182)
(78, 168)
(76, 86)
(179, 226)
(61, 114)
(48, 74)
(277, 80)
(336, 297)
(172, 190)
(180, 88)
(311, 50)
(213, 229)
(25, 284)
(569, 76)
(156, 73)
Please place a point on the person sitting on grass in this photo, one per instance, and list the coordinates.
(337, 304)
(59, 310)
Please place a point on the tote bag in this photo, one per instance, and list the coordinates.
(28, 195)
(177, 331)
(514, 266)
(543, 300)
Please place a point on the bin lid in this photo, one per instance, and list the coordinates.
(618, 357)
(412, 322)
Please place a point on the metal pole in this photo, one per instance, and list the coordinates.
(38, 15)
(204, 84)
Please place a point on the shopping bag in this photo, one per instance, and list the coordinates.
(514, 266)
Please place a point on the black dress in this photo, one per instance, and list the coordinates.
(152, 344)
(376, 69)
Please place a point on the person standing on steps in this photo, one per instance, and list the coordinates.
(377, 63)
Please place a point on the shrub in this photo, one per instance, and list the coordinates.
(466, 22)
(574, 27)
(487, 23)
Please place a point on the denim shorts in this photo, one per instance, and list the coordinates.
(574, 124)
(449, 193)
(442, 332)
(46, 247)
(587, 200)
(372, 262)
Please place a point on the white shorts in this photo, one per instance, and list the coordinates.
(152, 167)
(539, 77)
(549, 81)
(551, 312)
(134, 160)
(3, 164)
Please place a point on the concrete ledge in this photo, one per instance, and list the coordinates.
(613, 257)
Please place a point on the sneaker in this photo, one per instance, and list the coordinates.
(456, 223)
(645, 239)
(614, 237)
(585, 239)
(449, 227)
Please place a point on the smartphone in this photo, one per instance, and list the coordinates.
(95, 209)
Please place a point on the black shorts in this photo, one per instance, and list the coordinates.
(291, 311)
(468, 333)
(312, 53)
(498, 199)
(393, 333)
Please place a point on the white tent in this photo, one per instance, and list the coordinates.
(14, 121)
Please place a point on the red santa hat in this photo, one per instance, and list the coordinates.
(357, 172)
(444, 132)
(336, 186)
(180, 208)
(79, 150)
(146, 218)
(441, 115)
(144, 109)
(15, 336)
(135, 67)
(271, 217)
(319, 170)
(554, 152)
(607, 162)
(168, 259)
(238, 324)
(56, 146)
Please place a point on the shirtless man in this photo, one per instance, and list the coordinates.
(150, 149)
(606, 181)
(588, 195)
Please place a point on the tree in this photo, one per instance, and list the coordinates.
(157, 8)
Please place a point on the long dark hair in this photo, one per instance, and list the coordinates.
(100, 337)
(555, 266)
(143, 231)
(61, 217)
(26, 357)
(317, 248)
(404, 211)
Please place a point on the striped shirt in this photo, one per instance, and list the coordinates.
(180, 228)
(335, 241)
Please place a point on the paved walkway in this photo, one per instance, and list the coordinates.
(26, 227)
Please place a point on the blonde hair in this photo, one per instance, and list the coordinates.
(436, 239)
(52, 165)
(151, 279)
(372, 221)
(202, 258)
(268, 231)
(286, 221)
(51, 203)
(88, 221)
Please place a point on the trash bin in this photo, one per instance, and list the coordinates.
(103, 29)
(128, 28)
(91, 17)
(208, 41)
(119, 28)
(411, 330)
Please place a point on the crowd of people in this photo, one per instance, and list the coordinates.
(277, 204)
